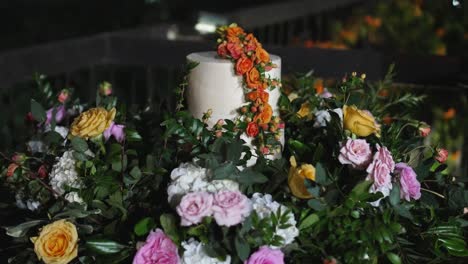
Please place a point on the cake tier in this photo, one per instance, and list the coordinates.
(214, 85)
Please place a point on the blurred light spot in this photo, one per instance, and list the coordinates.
(205, 28)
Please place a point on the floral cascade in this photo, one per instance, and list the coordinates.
(96, 183)
(252, 61)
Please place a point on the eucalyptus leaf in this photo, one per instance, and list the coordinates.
(309, 221)
(104, 246)
(21, 229)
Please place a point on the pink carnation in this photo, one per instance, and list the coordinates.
(230, 207)
(194, 207)
(158, 249)
(379, 173)
(355, 152)
(410, 186)
(385, 157)
(266, 255)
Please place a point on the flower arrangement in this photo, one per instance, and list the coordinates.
(353, 186)
(252, 62)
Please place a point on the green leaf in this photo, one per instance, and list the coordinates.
(225, 171)
(395, 195)
(316, 204)
(79, 144)
(242, 248)
(132, 135)
(361, 190)
(144, 226)
(321, 175)
(135, 172)
(309, 221)
(21, 229)
(394, 258)
(104, 246)
(38, 111)
(168, 224)
(249, 177)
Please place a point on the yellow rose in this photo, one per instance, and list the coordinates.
(57, 243)
(359, 122)
(92, 123)
(297, 176)
(304, 111)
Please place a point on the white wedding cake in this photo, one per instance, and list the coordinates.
(214, 85)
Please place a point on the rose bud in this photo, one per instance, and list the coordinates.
(277, 137)
(281, 125)
(268, 68)
(273, 128)
(42, 172)
(253, 109)
(425, 131)
(220, 122)
(248, 119)
(18, 158)
(63, 96)
(265, 150)
(264, 126)
(105, 89)
(442, 155)
(244, 110)
(329, 261)
(219, 133)
(11, 169)
(29, 117)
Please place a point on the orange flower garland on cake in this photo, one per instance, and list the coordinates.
(252, 61)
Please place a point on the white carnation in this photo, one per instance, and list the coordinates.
(189, 177)
(64, 174)
(195, 254)
(322, 117)
(73, 197)
(264, 205)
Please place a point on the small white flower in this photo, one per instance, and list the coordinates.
(32, 205)
(63, 131)
(195, 254)
(322, 117)
(73, 197)
(264, 205)
(64, 174)
(36, 146)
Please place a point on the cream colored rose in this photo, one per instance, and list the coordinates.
(57, 243)
(92, 123)
(297, 176)
(360, 122)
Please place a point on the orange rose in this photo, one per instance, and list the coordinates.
(243, 65)
(262, 55)
(253, 79)
(264, 117)
(232, 33)
(251, 43)
(252, 129)
(258, 94)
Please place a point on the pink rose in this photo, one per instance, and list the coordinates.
(235, 50)
(355, 152)
(222, 50)
(379, 173)
(230, 207)
(410, 186)
(194, 207)
(385, 157)
(442, 155)
(158, 249)
(266, 255)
